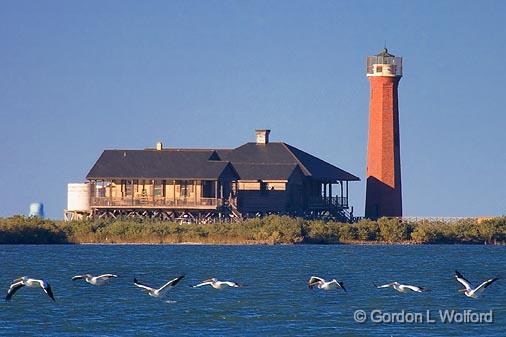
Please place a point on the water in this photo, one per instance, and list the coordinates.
(275, 300)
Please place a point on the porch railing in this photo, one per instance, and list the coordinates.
(326, 202)
(140, 202)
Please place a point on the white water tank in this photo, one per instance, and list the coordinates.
(78, 197)
(36, 209)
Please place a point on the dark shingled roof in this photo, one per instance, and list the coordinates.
(281, 153)
(254, 171)
(320, 169)
(165, 164)
(251, 161)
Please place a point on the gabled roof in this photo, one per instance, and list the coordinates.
(281, 153)
(251, 161)
(254, 171)
(164, 164)
(320, 169)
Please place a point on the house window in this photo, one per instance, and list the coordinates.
(208, 189)
(158, 188)
(127, 188)
(186, 188)
(100, 190)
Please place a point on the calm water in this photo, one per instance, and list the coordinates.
(275, 301)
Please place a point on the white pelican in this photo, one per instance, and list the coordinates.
(469, 291)
(160, 291)
(94, 280)
(28, 282)
(320, 283)
(218, 284)
(403, 288)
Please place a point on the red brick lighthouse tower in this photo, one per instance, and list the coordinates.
(383, 194)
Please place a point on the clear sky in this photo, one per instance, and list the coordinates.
(78, 77)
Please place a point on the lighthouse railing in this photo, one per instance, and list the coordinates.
(396, 63)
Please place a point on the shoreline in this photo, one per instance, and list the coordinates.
(347, 243)
(270, 230)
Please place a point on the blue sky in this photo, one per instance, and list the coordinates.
(78, 77)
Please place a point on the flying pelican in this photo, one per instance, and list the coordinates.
(94, 280)
(29, 282)
(469, 291)
(402, 288)
(320, 283)
(160, 291)
(218, 284)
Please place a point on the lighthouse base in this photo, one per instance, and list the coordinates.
(382, 200)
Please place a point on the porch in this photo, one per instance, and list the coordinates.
(157, 194)
(156, 203)
(323, 198)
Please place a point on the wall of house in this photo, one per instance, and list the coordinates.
(265, 196)
(142, 188)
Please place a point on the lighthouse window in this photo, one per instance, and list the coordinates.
(379, 69)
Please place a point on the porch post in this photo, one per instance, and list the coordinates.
(163, 190)
(216, 191)
(174, 191)
(195, 191)
(110, 193)
(346, 192)
(342, 200)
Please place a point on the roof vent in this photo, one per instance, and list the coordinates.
(159, 146)
(262, 136)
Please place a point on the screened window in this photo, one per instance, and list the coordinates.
(158, 188)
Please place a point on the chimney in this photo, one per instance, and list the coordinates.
(159, 146)
(262, 136)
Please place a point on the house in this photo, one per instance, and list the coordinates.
(254, 179)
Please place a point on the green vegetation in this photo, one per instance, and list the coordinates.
(268, 230)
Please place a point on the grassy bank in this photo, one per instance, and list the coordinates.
(268, 230)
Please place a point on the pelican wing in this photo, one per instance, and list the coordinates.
(106, 276)
(172, 282)
(384, 285)
(12, 289)
(202, 284)
(315, 279)
(78, 277)
(340, 285)
(143, 286)
(232, 284)
(463, 281)
(485, 284)
(48, 291)
(414, 288)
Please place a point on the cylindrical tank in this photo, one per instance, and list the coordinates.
(37, 209)
(78, 197)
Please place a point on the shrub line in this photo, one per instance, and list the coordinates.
(268, 230)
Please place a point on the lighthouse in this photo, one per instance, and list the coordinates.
(383, 191)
